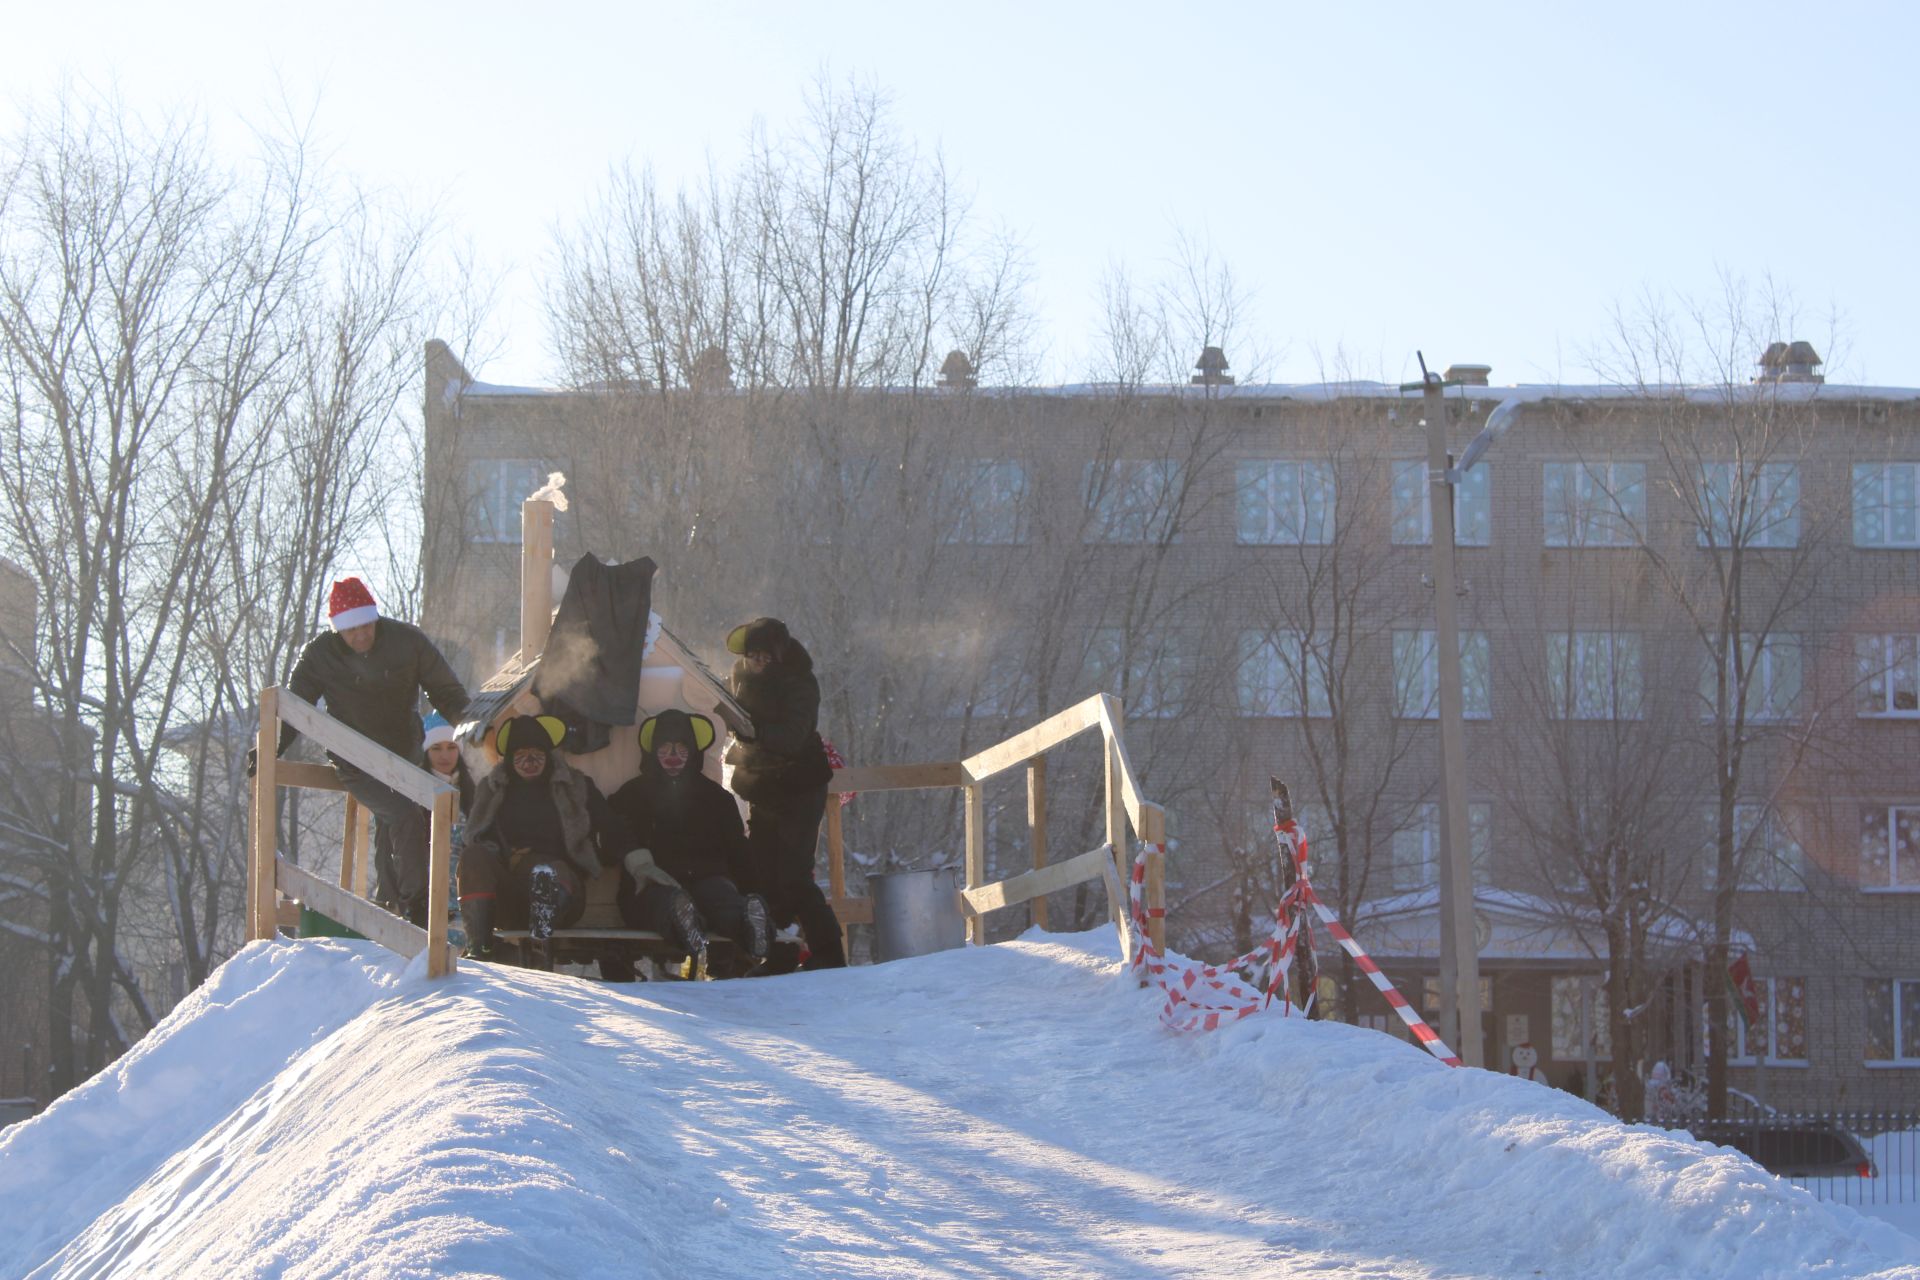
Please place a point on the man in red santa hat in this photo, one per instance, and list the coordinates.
(370, 671)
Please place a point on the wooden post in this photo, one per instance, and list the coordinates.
(976, 828)
(1037, 828)
(1117, 828)
(837, 861)
(536, 576)
(1155, 889)
(350, 844)
(365, 843)
(266, 808)
(439, 867)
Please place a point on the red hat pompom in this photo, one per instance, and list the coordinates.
(350, 604)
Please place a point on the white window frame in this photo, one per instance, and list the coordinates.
(1741, 1056)
(1472, 506)
(1762, 838)
(1571, 654)
(1776, 666)
(1605, 506)
(1156, 678)
(1887, 495)
(990, 500)
(1898, 1059)
(1880, 660)
(1131, 501)
(1267, 683)
(1892, 814)
(1285, 502)
(1421, 838)
(1416, 675)
(489, 498)
(1772, 493)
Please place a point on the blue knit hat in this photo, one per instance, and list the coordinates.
(438, 730)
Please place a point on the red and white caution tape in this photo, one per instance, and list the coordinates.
(1204, 997)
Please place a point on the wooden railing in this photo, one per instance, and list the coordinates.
(270, 875)
(1126, 810)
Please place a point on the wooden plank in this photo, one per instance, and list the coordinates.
(1037, 828)
(409, 779)
(725, 705)
(262, 922)
(536, 575)
(1115, 799)
(1117, 904)
(349, 843)
(1111, 725)
(1030, 885)
(1046, 735)
(359, 915)
(898, 777)
(976, 851)
(1154, 833)
(298, 773)
(837, 864)
(365, 844)
(440, 961)
(853, 910)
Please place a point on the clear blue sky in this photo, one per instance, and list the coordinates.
(1483, 181)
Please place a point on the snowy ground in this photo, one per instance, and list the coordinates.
(1008, 1111)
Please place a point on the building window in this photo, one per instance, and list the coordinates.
(988, 502)
(1149, 677)
(1765, 854)
(1285, 503)
(1580, 1020)
(1413, 506)
(1759, 507)
(1131, 500)
(1893, 1021)
(1772, 664)
(1886, 504)
(1890, 847)
(1780, 1035)
(1595, 675)
(1889, 675)
(1416, 847)
(1594, 504)
(496, 487)
(1416, 675)
(1282, 675)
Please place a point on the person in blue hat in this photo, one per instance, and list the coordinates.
(440, 755)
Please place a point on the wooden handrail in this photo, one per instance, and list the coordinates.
(362, 752)
(1129, 785)
(898, 777)
(1045, 736)
(1029, 885)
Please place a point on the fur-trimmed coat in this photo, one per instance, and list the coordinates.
(593, 834)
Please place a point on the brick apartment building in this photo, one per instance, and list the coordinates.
(1246, 566)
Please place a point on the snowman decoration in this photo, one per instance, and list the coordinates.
(1526, 1062)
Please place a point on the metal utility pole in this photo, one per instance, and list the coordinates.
(1459, 950)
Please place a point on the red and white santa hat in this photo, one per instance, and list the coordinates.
(351, 605)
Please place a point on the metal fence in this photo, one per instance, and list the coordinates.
(1851, 1157)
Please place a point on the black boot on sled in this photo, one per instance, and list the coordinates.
(544, 894)
(759, 926)
(691, 934)
(476, 914)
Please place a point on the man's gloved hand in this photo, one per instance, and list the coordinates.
(253, 761)
(644, 870)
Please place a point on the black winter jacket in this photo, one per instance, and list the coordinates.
(785, 758)
(591, 834)
(377, 693)
(691, 823)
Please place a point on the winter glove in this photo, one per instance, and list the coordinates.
(641, 866)
(253, 760)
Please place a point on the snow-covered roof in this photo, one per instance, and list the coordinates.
(1669, 928)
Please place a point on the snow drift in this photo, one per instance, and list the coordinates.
(319, 1110)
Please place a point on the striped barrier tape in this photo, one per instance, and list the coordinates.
(1202, 997)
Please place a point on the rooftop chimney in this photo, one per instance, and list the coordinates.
(1790, 362)
(1213, 369)
(1468, 375)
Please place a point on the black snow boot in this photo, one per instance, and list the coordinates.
(759, 926)
(690, 933)
(544, 894)
(477, 915)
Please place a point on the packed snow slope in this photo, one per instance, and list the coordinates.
(316, 1109)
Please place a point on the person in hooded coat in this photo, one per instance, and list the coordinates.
(538, 831)
(782, 774)
(688, 844)
(440, 756)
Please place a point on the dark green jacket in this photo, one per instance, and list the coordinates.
(378, 694)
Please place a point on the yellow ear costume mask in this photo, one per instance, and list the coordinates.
(556, 733)
(702, 732)
(737, 640)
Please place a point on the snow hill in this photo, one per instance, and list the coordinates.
(317, 1109)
